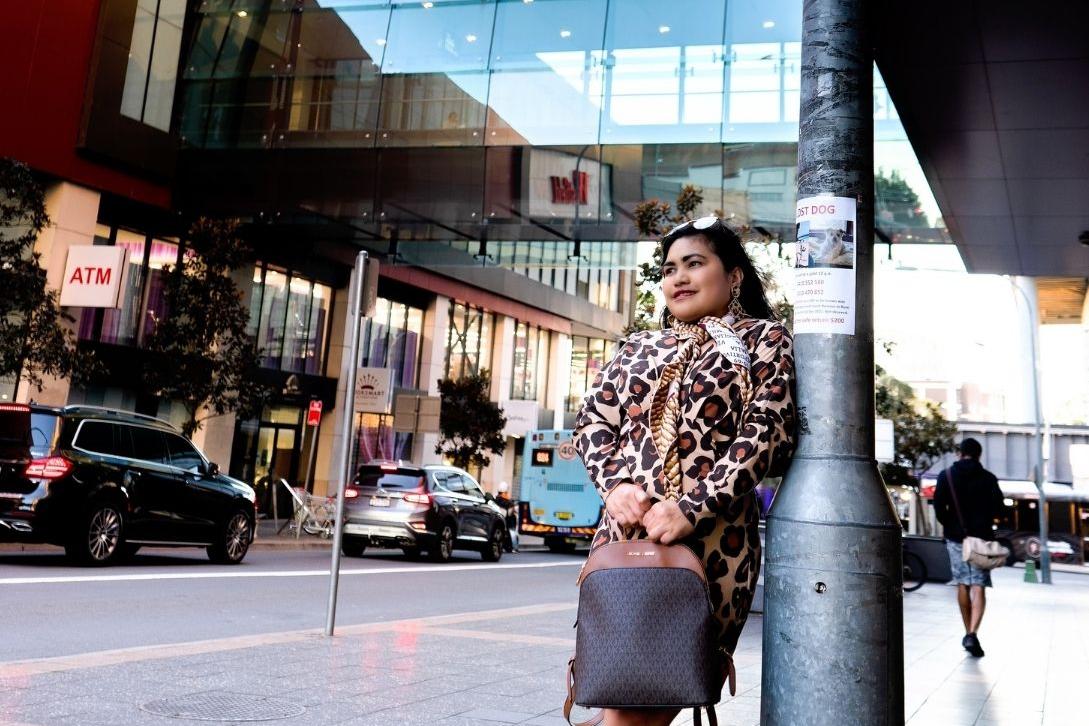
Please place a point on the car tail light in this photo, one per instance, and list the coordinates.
(20, 407)
(350, 492)
(418, 498)
(53, 467)
(388, 467)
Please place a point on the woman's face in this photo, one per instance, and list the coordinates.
(694, 282)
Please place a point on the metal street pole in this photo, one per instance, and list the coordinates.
(1038, 467)
(833, 604)
(355, 300)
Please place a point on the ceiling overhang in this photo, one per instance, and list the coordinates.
(994, 97)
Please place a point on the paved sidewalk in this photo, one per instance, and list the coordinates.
(506, 666)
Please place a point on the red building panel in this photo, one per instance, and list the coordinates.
(44, 62)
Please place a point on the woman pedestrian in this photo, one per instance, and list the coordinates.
(681, 426)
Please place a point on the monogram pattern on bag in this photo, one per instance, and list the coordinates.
(655, 650)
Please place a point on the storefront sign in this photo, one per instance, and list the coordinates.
(92, 276)
(824, 272)
(521, 417)
(561, 185)
(373, 389)
(313, 414)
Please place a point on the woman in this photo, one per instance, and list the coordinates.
(682, 425)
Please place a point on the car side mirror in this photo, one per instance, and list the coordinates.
(211, 469)
(489, 497)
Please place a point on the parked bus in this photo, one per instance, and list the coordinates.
(557, 500)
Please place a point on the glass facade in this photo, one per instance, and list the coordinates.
(152, 71)
(391, 338)
(289, 320)
(468, 341)
(594, 273)
(529, 374)
(588, 356)
(143, 292)
(546, 121)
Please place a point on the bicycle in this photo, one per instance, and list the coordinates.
(915, 573)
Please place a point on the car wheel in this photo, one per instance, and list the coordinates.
(494, 549)
(232, 540)
(444, 547)
(352, 547)
(100, 539)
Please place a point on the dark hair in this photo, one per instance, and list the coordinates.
(727, 245)
(970, 447)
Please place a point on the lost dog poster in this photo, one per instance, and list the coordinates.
(824, 271)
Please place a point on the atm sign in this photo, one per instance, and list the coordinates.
(92, 276)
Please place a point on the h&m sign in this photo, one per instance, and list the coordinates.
(573, 190)
(92, 277)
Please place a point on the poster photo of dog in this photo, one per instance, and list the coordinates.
(832, 246)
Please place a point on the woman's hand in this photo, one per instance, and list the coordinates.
(627, 504)
(666, 524)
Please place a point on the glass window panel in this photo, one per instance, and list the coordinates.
(413, 332)
(132, 95)
(298, 320)
(436, 109)
(314, 352)
(577, 387)
(163, 254)
(755, 67)
(256, 290)
(518, 375)
(543, 361)
(546, 50)
(120, 325)
(450, 36)
(486, 327)
(270, 334)
(754, 107)
(164, 64)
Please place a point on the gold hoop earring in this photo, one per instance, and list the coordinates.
(736, 309)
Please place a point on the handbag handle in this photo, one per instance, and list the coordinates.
(729, 677)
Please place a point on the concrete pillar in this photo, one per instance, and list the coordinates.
(432, 365)
(216, 439)
(73, 214)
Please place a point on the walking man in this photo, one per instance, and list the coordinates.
(967, 500)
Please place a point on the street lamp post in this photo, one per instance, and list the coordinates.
(1038, 467)
(833, 601)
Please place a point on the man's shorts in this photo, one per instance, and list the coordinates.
(964, 573)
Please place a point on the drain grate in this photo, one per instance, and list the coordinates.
(223, 706)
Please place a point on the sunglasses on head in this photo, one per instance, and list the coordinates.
(701, 223)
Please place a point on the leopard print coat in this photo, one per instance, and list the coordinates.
(724, 451)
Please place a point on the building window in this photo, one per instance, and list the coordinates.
(468, 341)
(530, 371)
(391, 339)
(148, 94)
(143, 293)
(289, 320)
(588, 357)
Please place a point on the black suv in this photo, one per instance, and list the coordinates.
(433, 508)
(101, 483)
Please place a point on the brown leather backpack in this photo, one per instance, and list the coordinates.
(645, 633)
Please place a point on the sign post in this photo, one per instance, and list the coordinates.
(313, 420)
(355, 305)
